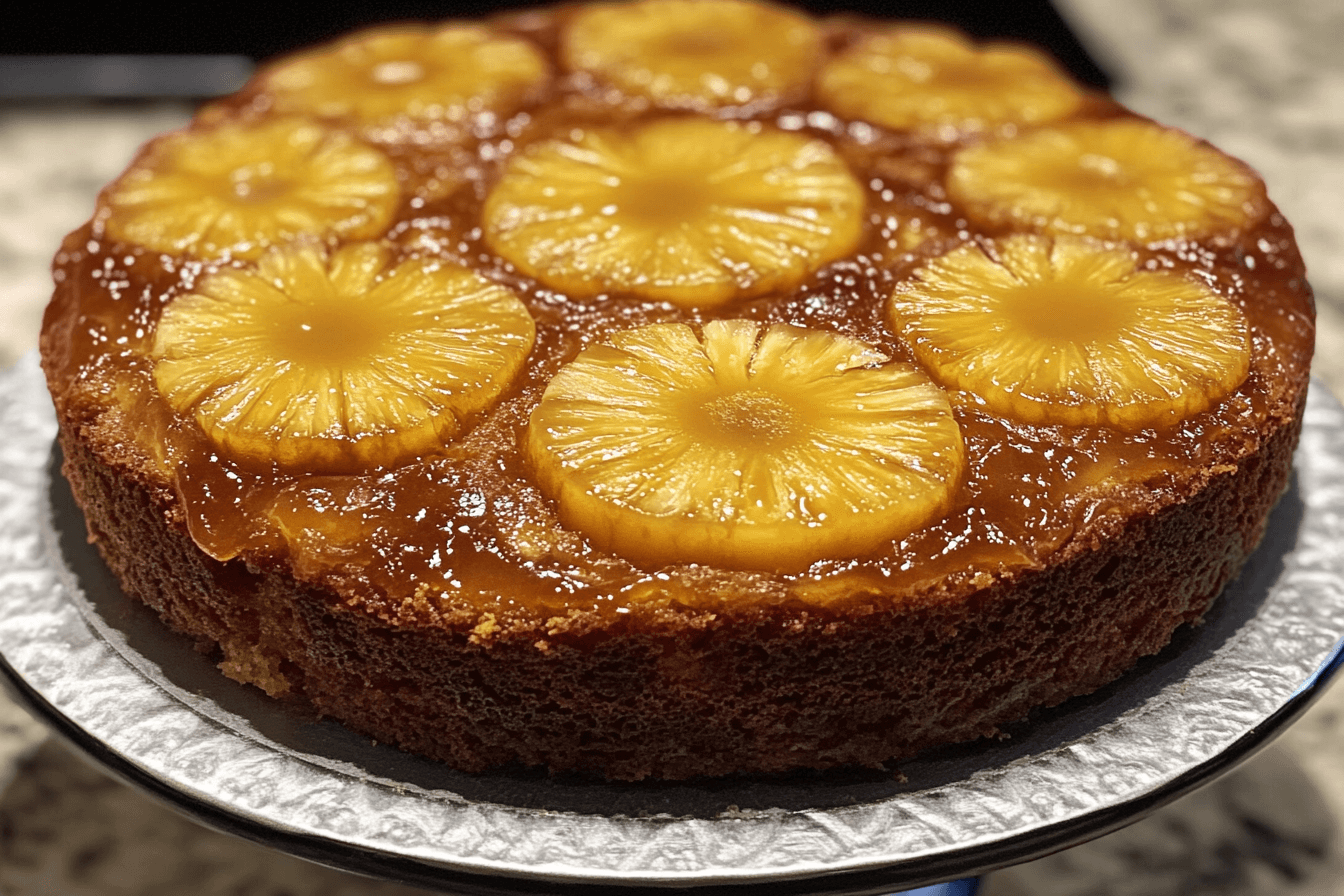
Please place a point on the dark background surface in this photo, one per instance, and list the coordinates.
(226, 28)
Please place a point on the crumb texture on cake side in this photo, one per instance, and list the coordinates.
(653, 400)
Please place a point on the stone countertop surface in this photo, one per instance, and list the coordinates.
(1262, 79)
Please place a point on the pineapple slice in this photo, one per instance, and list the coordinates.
(741, 448)
(697, 54)
(237, 189)
(340, 362)
(689, 211)
(417, 73)
(936, 81)
(1067, 330)
(1117, 179)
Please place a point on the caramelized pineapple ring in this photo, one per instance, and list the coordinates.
(237, 189)
(695, 53)
(1070, 331)
(689, 211)
(1119, 179)
(743, 449)
(340, 363)
(417, 73)
(933, 79)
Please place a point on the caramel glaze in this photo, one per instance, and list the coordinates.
(465, 539)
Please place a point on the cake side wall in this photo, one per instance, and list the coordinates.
(767, 690)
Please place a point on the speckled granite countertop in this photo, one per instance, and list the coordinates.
(1262, 79)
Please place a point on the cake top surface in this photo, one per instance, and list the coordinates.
(610, 309)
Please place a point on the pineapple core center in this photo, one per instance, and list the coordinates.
(749, 418)
(333, 333)
(397, 72)
(965, 77)
(257, 183)
(1099, 170)
(698, 42)
(1065, 312)
(664, 200)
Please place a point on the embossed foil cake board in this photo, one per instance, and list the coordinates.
(105, 673)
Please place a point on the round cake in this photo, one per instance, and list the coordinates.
(677, 388)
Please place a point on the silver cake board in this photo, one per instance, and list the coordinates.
(103, 671)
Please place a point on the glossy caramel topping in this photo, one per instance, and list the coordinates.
(465, 528)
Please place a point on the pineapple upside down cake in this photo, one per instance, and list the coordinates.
(678, 387)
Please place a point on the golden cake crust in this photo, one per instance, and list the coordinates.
(682, 694)
(681, 669)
